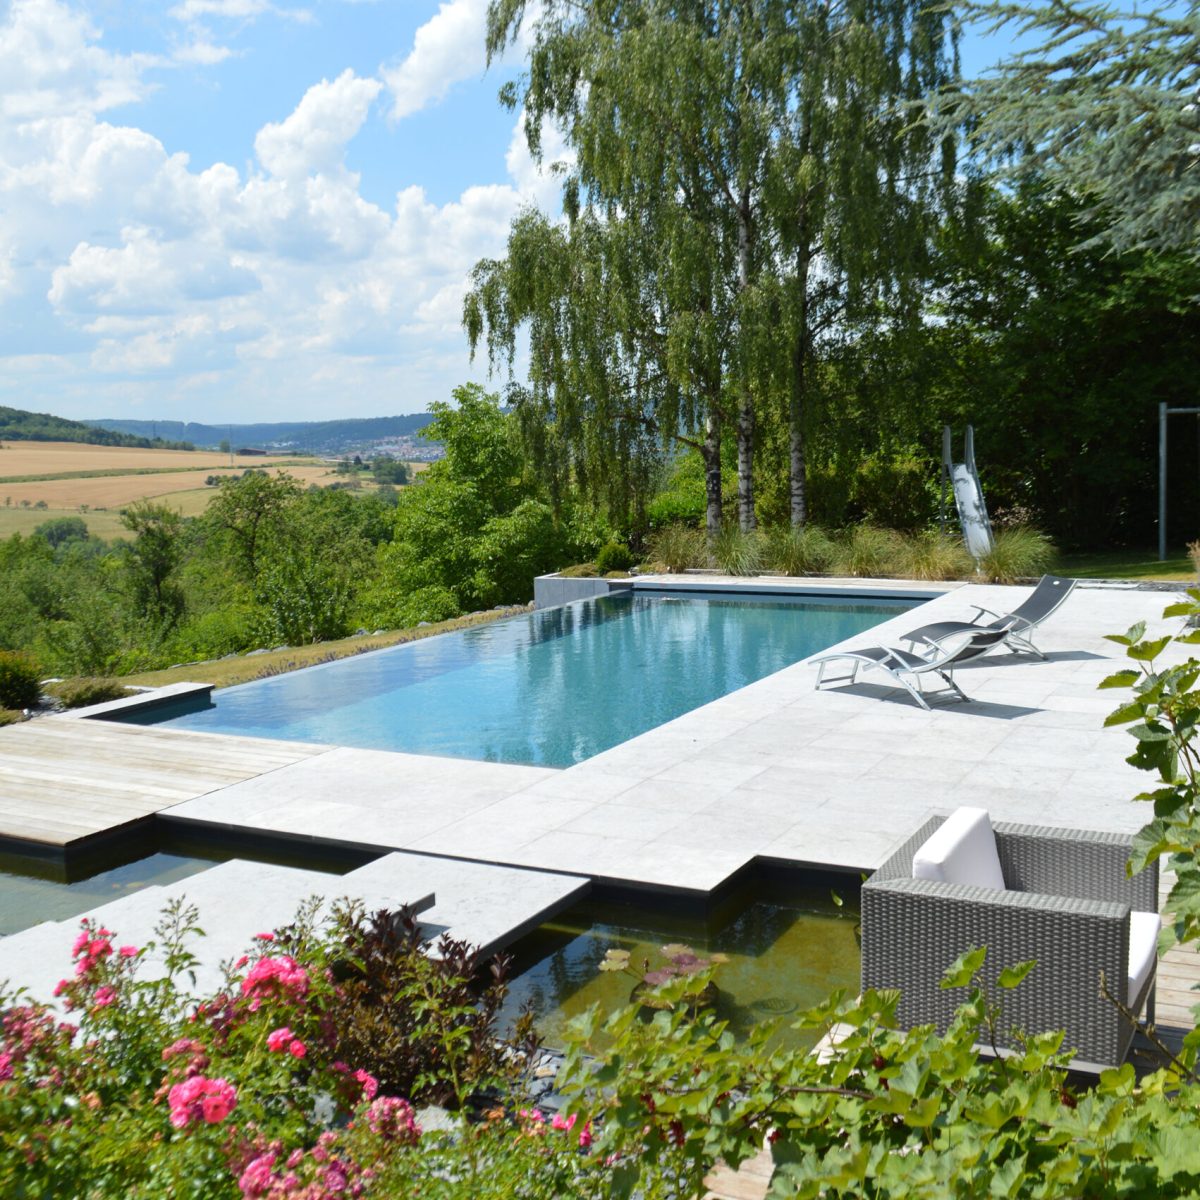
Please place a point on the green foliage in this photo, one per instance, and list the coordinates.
(1018, 553)
(737, 553)
(1163, 716)
(930, 555)
(19, 425)
(869, 551)
(390, 470)
(152, 560)
(251, 512)
(20, 680)
(676, 548)
(1101, 103)
(62, 530)
(613, 556)
(804, 551)
(80, 692)
(895, 491)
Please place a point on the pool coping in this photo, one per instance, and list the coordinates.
(581, 819)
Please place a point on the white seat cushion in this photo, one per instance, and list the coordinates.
(961, 850)
(1143, 950)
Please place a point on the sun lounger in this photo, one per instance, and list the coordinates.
(908, 669)
(1017, 626)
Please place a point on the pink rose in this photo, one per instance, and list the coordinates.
(279, 1039)
(297, 1049)
(104, 996)
(128, 951)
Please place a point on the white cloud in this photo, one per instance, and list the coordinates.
(539, 183)
(235, 10)
(313, 139)
(150, 285)
(51, 66)
(202, 53)
(448, 48)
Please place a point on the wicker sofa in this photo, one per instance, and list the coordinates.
(1066, 903)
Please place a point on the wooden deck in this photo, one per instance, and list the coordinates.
(63, 782)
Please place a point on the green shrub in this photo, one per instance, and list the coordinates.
(678, 547)
(931, 555)
(806, 551)
(870, 552)
(896, 490)
(580, 571)
(736, 552)
(10, 716)
(430, 604)
(20, 680)
(79, 693)
(1019, 553)
(613, 557)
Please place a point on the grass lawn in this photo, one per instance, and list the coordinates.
(1128, 564)
(105, 523)
(225, 672)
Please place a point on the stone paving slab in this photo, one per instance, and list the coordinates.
(832, 778)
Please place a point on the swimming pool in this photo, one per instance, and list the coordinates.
(549, 688)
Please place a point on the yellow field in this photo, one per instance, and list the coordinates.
(114, 491)
(53, 458)
(106, 479)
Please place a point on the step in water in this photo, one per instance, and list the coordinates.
(480, 903)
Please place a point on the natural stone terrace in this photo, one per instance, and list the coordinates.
(775, 770)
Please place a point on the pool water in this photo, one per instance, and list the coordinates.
(550, 688)
(783, 959)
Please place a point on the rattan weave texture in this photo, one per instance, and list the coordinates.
(1068, 908)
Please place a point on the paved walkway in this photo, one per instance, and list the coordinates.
(775, 770)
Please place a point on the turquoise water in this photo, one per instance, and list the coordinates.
(550, 688)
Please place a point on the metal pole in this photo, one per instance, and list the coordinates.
(1162, 481)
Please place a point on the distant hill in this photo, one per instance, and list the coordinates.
(17, 425)
(309, 437)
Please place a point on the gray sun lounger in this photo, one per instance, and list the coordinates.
(1017, 626)
(907, 669)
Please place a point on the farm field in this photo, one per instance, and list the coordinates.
(54, 458)
(109, 491)
(96, 482)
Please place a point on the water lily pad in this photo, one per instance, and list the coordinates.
(673, 949)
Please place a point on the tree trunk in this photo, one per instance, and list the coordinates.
(711, 453)
(745, 415)
(797, 466)
(745, 462)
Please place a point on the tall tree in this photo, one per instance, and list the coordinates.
(1104, 107)
(758, 144)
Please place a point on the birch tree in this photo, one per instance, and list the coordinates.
(761, 148)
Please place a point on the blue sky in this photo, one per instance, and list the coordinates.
(241, 210)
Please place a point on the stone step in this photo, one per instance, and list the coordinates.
(235, 901)
(486, 905)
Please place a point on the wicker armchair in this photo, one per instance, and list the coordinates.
(1067, 905)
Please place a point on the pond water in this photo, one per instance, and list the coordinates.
(784, 957)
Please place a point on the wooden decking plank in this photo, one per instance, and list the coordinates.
(64, 780)
(101, 780)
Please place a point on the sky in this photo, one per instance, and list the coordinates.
(248, 210)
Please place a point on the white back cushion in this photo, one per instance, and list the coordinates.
(1143, 950)
(961, 850)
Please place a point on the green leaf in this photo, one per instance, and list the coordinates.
(1184, 608)
(1150, 733)
(1148, 651)
(1126, 678)
(964, 968)
(1124, 714)
(1010, 977)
